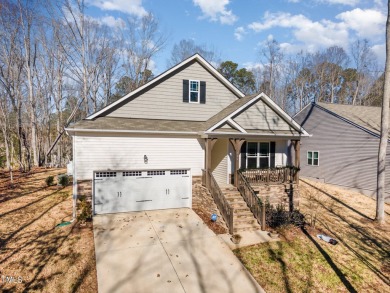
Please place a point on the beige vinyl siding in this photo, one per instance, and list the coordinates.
(165, 100)
(120, 152)
(281, 153)
(219, 161)
(260, 116)
(347, 155)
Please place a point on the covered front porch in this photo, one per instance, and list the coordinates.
(251, 144)
(259, 168)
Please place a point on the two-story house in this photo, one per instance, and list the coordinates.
(143, 151)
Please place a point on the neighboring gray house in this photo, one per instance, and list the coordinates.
(143, 151)
(343, 148)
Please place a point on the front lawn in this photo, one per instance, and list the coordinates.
(35, 256)
(301, 262)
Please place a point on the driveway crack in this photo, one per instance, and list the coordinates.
(154, 229)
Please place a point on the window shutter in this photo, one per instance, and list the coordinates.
(243, 156)
(202, 99)
(272, 154)
(186, 88)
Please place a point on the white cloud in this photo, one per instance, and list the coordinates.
(132, 7)
(113, 22)
(216, 10)
(366, 23)
(314, 33)
(343, 2)
(239, 33)
(253, 65)
(380, 52)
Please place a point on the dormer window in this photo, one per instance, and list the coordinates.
(194, 91)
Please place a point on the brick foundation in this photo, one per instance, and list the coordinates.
(278, 194)
(84, 189)
(202, 200)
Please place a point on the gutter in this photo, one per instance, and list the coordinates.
(240, 135)
(73, 130)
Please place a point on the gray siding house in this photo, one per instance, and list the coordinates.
(144, 151)
(343, 148)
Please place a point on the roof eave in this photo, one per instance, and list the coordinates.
(71, 131)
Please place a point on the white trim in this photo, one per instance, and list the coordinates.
(72, 130)
(269, 103)
(235, 125)
(244, 135)
(74, 197)
(258, 156)
(196, 57)
(189, 91)
(312, 158)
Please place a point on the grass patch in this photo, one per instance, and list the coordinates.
(303, 263)
(46, 258)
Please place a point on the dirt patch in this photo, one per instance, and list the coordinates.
(204, 214)
(35, 254)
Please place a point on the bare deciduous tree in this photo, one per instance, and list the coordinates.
(380, 197)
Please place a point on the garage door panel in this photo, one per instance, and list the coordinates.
(141, 190)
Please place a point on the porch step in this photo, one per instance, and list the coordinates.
(244, 213)
(243, 219)
(241, 227)
(239, 206)
(235, 199)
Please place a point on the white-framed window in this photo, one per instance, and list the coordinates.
(194, 91)
(257, 155)
(313, 158)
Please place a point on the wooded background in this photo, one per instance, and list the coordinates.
(58, 65)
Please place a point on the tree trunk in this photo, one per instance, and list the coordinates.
(380, 199)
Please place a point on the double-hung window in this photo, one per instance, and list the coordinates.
(258, 155)
(194, 91)
(313, 158)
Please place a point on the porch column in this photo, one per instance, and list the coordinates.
(209, 144)
(297, 148)
(237, 144)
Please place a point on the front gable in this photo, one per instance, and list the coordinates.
(260, 116)
(168, 96)
(257, 115)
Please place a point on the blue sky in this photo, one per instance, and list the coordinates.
(238, 28)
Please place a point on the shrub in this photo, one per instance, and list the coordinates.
(49, 180)
(278, 216)
(85, 210)
(63, 180)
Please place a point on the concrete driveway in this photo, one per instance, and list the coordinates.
(165, 251)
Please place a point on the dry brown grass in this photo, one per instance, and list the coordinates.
(46, 258)
(360, 262)
(364, 246)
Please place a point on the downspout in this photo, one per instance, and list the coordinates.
(74, 181)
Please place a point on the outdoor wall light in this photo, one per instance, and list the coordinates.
(146, 159)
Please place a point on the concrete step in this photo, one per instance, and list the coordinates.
(245, 221)
(245, 227)
(239, 205)
(235, 199)
(242, 213)
(231, 193)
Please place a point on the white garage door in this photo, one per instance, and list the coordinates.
(138, 190)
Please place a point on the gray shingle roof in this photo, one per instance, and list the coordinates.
(116, 123)
(365, 116)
